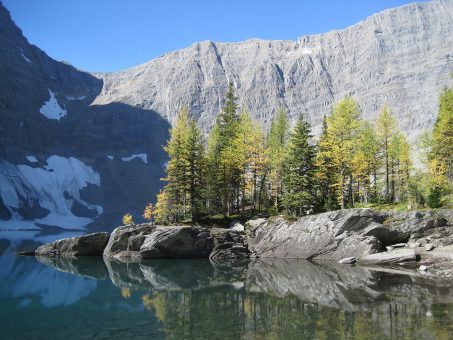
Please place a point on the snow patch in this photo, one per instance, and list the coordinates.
(23, 56)
(110, 157)
(75, 98)
(307, 51)
(51, 109)
(31, 159)
(49, 186)
(142, 156)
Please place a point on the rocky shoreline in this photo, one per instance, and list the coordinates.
(417, 240)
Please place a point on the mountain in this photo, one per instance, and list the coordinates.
(78, 150)
(402, 56)
(64, 160)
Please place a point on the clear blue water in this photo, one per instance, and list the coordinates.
(91, 298)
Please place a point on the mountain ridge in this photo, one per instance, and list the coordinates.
(194, 68)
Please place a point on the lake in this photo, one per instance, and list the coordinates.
(89, 298)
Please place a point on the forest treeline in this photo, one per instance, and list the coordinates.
(243, 169)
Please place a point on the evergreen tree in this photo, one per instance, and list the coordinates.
(224, 160)
(342, 132)
(258, 164)
(299, 171)
(196, 170)
(365, 163)
(213, 172)
(443, 132)
(176, 169)
(400, 162)
(327, 198)
(185, 170)
(386, 127)
(278, 138)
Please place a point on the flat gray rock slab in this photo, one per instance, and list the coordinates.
(177, 242)
(391, 257)
(86, 245)
(348, 260)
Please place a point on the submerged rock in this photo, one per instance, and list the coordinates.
(86, 245)
(177, 242)
(391, 257)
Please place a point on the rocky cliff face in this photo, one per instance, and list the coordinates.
(401, 56)
(65, 161)
(77, 147)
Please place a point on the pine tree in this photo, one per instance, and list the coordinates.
(386, 127)
(400, 161)
(299, 171)
(278, 138)
(443, 132)
(185, 169)
(327, 198)
(225, 167)
(365, 163)
(342, 134)
(196, 162)
(213, 172)
(258, 164)
(148, 213)
(176, 149)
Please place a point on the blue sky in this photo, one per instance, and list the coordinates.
(110, 35)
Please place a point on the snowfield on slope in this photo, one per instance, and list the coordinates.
(51, 109)
(55, 187)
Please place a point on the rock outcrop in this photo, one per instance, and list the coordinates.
(397, 256)
(344, 236)
(177, 242)
(230, 245)
(126, 241)
(332, 236)
(86, 245)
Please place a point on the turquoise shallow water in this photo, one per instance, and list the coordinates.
(91, 298)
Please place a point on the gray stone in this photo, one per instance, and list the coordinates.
(126, 241)
(423, 268)
(237, 226)
(333, 235)
(255, 223)
(177, 242)
(229, 245)
(348, 260)
(392, 257)
(86, 245)
(429, 247)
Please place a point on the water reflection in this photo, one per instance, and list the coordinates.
(197, 299)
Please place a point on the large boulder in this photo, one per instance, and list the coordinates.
(177, 242)
(125, 241)
(86, 245)
(333, 236)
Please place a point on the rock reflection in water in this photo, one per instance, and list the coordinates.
(281, 299)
